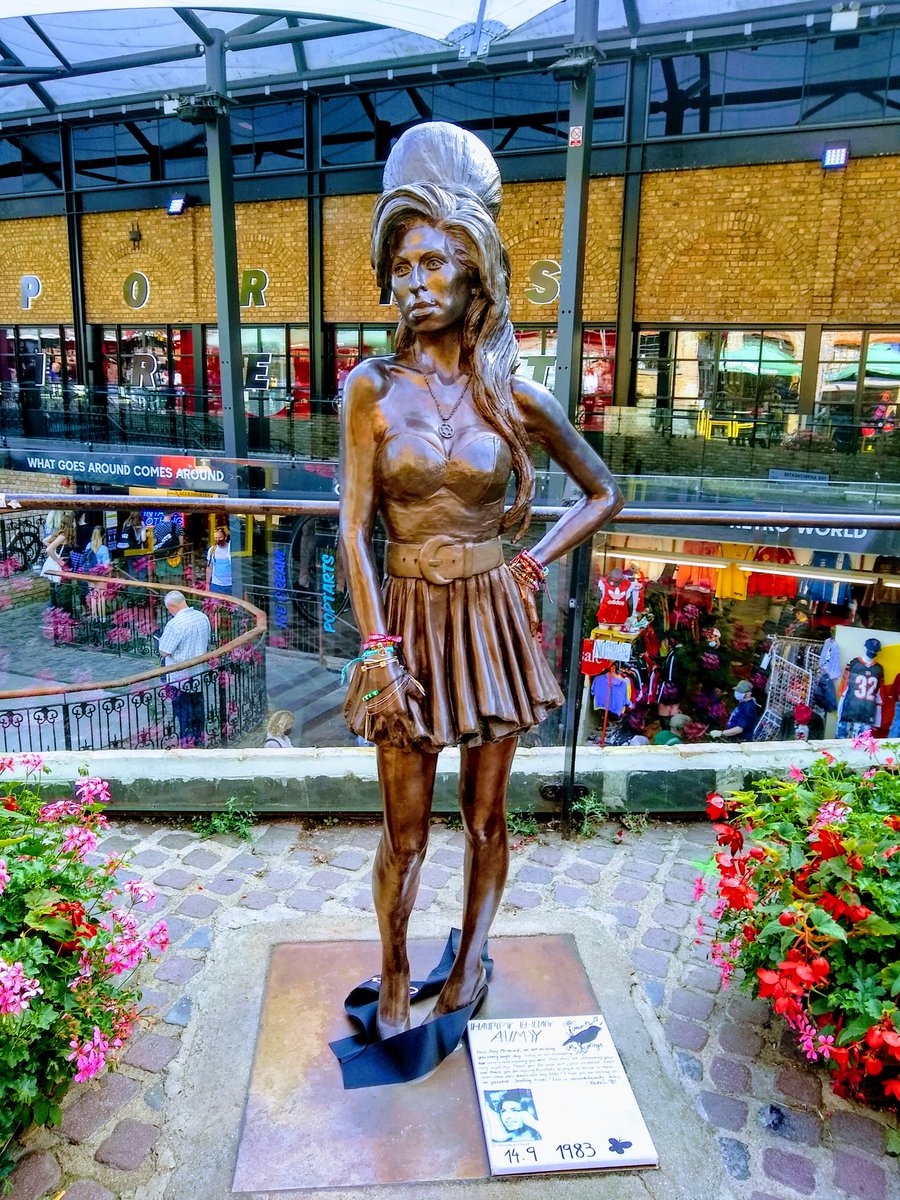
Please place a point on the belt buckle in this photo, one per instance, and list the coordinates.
(429, 561)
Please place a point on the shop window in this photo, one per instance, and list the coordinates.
(265, 370)
(144, 366)
(598, 368)
(183, 149)
(529, 117)
(183, 369)
(376, 342)
(109, 357)
(678, 87)
(858, 390)
(880, 400)
(30, 163)
(846, 78)
(348, 130)
(268, 137)
(610, 91)
(298, 337)
(346, 355)
(8, 374)
(760, 86)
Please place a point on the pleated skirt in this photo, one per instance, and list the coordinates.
(470, 646)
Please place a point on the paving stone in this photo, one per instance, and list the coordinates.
(225, 884)
(792, 1170)
(92, 1108)
(201, 858)
(638, 870)
(689, 1066)
(549, 856)
(570, 897)
(350, 860)
(200, 939)
(699, 835)
(737, 1039)
(279, 881)
(630, 917)
(299, 860)
(363, 900)
(368, 837)
(424, 899)
(651, 962)
(276, 839)
(729, 1075)
(155, 1098)
(583, 872)
(35, 1174)
(246, 862)
(736, 1156)
(763, 1196)
(152, 1052)
(631, 893)
(684, 870)
(326, 879)
(678, 892)
(707, 979)
(180, 1012)
(791, 1125)
(675, 916)
(305, 900)
(596, 854)
(447, 856)
(176, 840)
(87, 1189)
(178, 969)
(154, 999)
(436, 877)
(520, 898)
(748, 1012)
(149, 858)
(686, 1034)
(529, 873)
(854, 1130)
(128, 1145)
(802, 1086)
(655, 991)
(661, 939)
(725, 1112)
(691, 1004)
(117, 844)
(175, 878)
(198, 906)
(258, 900)
(859, 1177)
(645, 852)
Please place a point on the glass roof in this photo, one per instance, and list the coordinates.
(77, 55)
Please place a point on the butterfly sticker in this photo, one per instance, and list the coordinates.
(617, 1147)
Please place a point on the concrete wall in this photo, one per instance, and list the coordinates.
(626, 779)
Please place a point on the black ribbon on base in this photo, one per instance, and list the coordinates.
(367, 1061)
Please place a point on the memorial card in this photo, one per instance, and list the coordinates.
(554, 1096)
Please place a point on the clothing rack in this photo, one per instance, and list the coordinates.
(795, 668)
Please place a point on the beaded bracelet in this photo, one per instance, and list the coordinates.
(528, 571)
(377, 641)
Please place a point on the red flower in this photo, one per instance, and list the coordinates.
(731, 837)
(715, 806)
(892, 1088)
(873, 1065)
(893, 822)
(738, 894)
(828, 844)
(749, 932)
(9, 804)
(788, 917)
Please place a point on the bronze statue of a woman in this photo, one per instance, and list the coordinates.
(430, 438)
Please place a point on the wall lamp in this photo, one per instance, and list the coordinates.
(844, 17)
(176, 205)
(835, 156)
(134, 235)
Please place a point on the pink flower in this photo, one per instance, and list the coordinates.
(4, 876)
(80, 841)
(6, 763)
(829, 758)
(16, 989)
(834, 812)
(865, 741)
(140, 891)
(91, 1057)
(158, 937)
(796, 774)
(871, 773)
(92, 790)
(57, 809)
(699, 888)
(32, 762)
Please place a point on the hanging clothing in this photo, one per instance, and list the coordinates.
(824, 695)
(773, 585)
(615, 601)
(830, 660)
(861, 701)
(827, 591)
(610, 691)
(697, 576)
(731, 581)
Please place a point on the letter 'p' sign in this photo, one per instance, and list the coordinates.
(29, 290)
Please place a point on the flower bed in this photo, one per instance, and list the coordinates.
(808, 882)
(69, 943)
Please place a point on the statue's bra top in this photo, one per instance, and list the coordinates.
(413, 465)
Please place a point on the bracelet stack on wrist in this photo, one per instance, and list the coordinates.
(528, 570)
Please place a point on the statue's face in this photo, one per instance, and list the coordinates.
(430, 286)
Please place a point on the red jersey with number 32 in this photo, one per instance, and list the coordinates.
(863, 693)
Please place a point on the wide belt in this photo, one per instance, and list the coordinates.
(440, 560)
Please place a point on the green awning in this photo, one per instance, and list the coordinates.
(758, 356)
(882, 363)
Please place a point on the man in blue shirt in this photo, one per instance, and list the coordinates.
(743, 718)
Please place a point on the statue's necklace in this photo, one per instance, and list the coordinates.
(445, 429)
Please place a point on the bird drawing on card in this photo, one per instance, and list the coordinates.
(583, 1038)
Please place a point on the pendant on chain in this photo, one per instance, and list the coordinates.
(445, 429)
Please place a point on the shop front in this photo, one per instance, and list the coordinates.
(768, 634)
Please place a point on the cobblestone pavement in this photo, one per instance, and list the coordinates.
(780, 1131)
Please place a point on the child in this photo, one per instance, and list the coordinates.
(278, 730)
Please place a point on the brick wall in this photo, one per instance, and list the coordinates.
(175, 253)
(35, 246)
(784, 243)
(14, 482)
(531, 222)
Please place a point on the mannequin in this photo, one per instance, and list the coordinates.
(861, 699)
(617, 595)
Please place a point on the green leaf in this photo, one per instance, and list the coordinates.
(826, 925)
(877, 925)
(855, 1030)
(893, 1141)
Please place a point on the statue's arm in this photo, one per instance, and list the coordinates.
(549, 426)
(361, 429)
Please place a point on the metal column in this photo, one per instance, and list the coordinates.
(76, 266)
(316, 268)
(638, 84)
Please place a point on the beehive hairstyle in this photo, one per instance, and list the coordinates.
(441, 175)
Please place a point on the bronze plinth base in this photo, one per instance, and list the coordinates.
(301, 1130)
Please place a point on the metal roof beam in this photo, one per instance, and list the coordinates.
(150, 58)
(42, 94)
(195, 25)
(254, 26)
(48, 41)
(297, 48)
(303, 33)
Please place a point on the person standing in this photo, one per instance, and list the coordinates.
(218, 562)
(744, 716)
(186, 636)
